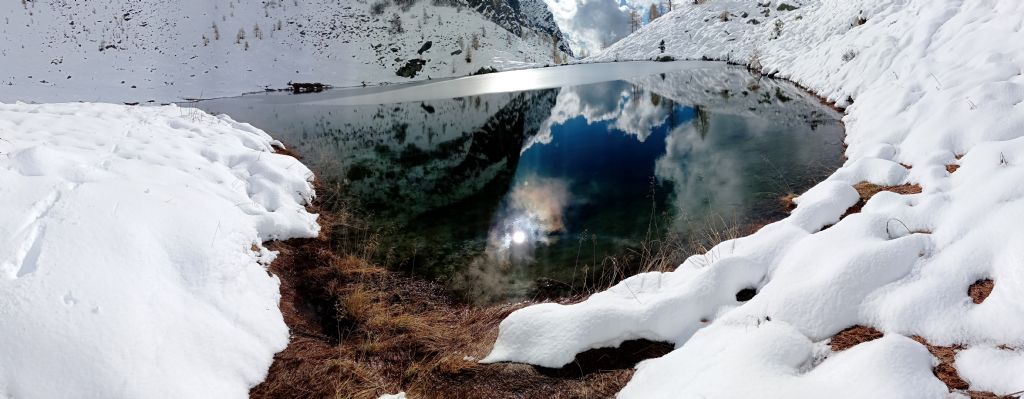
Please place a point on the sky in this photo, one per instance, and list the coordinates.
(594, 24)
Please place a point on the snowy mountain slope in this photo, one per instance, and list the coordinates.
(131, 262)
(521, 17)
(934, 90)
(121, 50)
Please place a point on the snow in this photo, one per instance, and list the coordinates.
(137, 51)
(992, 369)
(131, 262)
(925, 82)
(771, 360)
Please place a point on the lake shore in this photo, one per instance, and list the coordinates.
(363, 330)
(360, 330)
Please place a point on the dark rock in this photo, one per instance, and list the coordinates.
(485, 70)
(425, 47)
(299, 88)
(411, 68)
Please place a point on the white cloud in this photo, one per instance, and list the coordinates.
(590, 24)
(596, 24)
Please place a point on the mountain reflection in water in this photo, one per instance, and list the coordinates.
(490, 193)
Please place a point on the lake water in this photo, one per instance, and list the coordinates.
(504, 185)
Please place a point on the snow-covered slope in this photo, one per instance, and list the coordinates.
(131, 262)
(932, 86)
(128, 50)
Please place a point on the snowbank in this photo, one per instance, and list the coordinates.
(131, 262)
(930, 81)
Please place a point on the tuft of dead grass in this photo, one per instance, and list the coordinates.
(867, 190)
(788, 202)
(952, 168)
(853, 336)
(980, 290)
(286, 151)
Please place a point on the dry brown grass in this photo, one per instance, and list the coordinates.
(853, 336)
(952, 168)
(980, 290)
(788, 202)
(867, 190)
(359, 331)
(287, 151)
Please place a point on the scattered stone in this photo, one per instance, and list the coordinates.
(485, 70)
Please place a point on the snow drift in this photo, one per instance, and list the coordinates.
(931, 86)
(131, 262)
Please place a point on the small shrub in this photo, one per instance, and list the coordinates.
(849, 55)
(378, 7)
(405, 5)
(777, 32)
(396, 25)
(755, 61)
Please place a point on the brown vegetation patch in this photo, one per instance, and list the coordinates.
(980, 290)
(287, 151)
(853, 336)
(951, 168)
(946, 372)
(788, 202)
(867, 190)
(360, 331)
